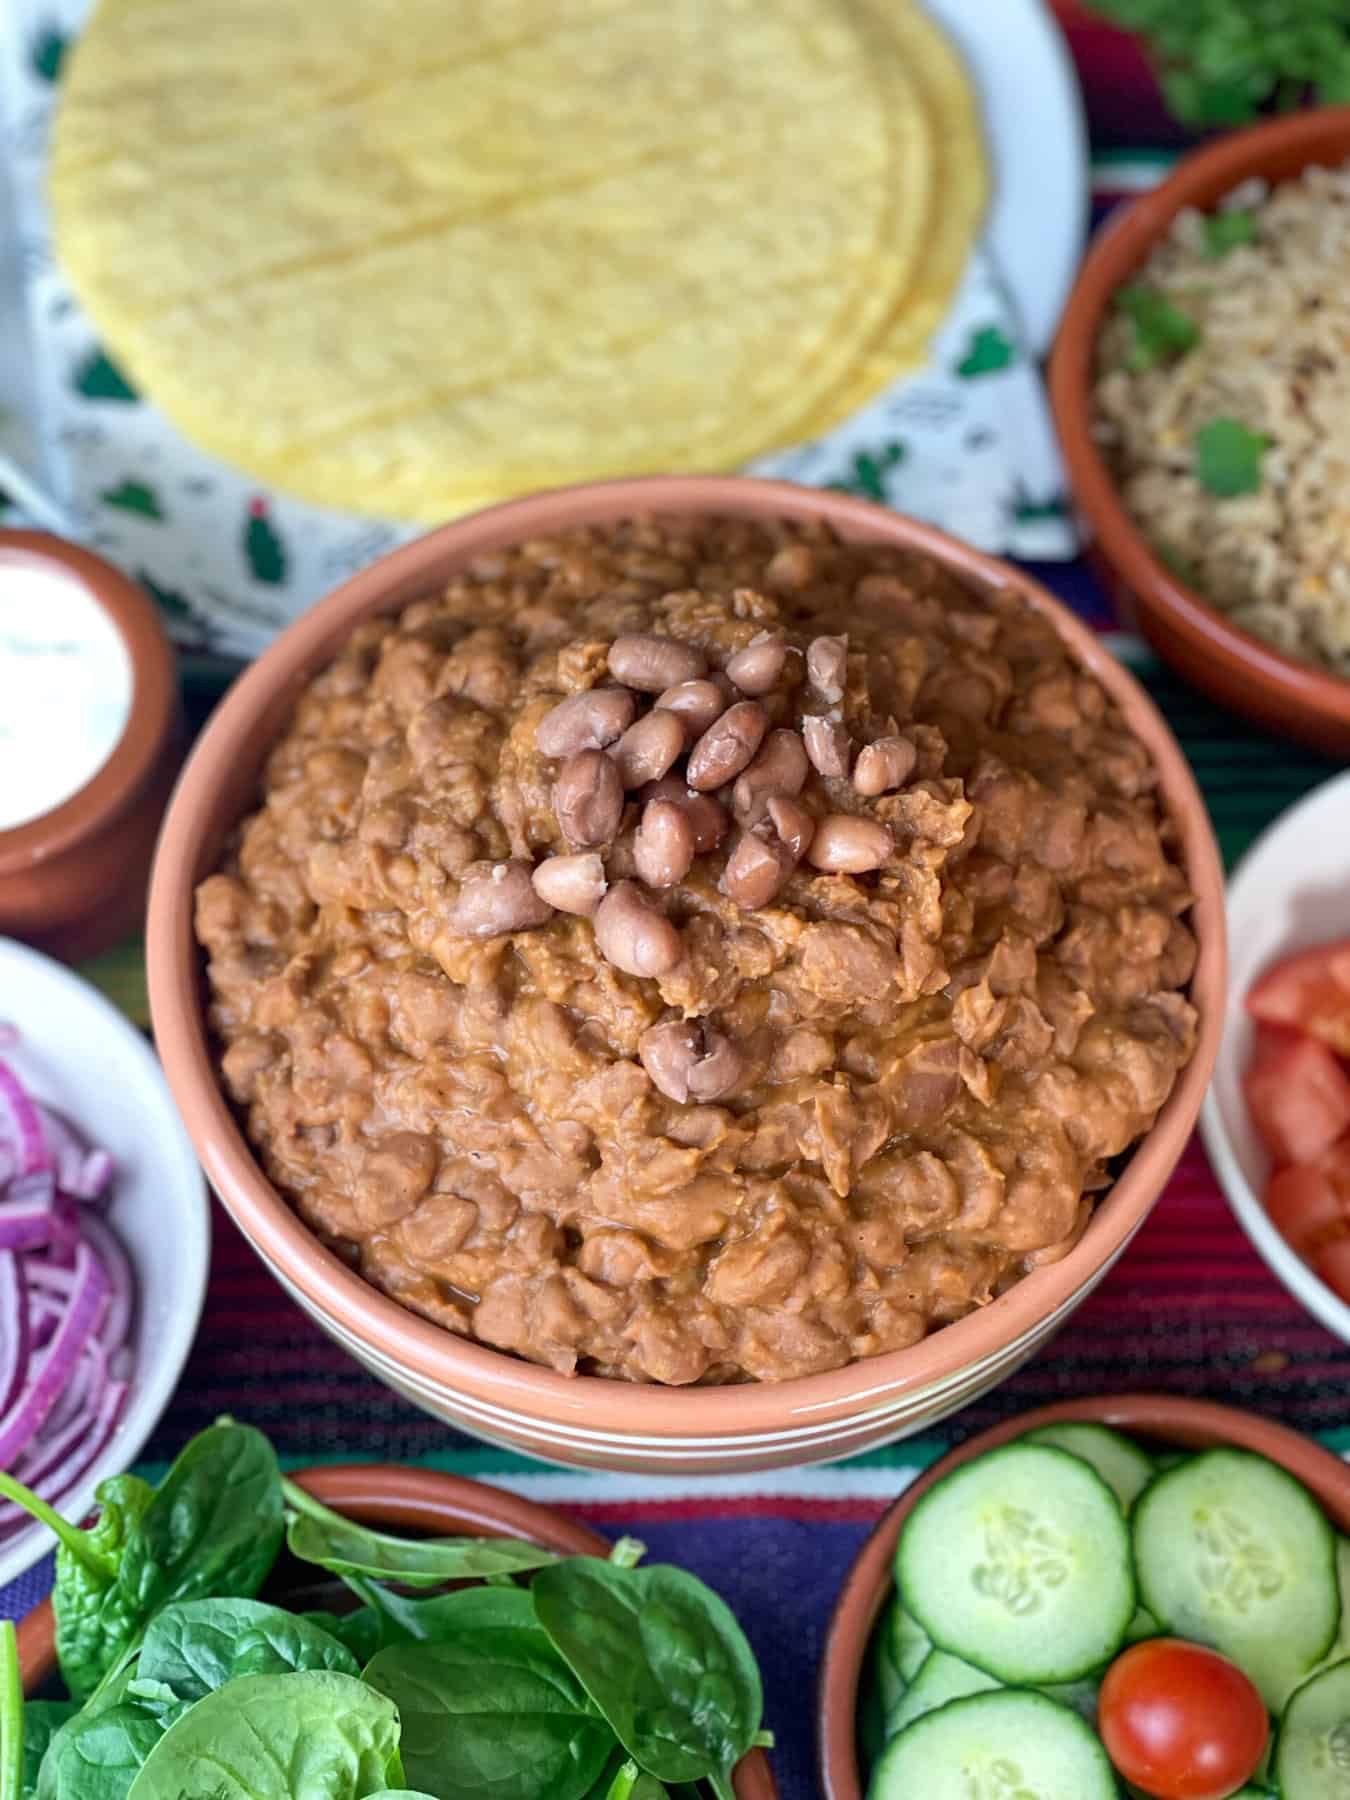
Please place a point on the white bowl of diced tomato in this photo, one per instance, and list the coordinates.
(1276, 1121)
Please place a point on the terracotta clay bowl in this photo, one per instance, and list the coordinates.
(417, 1500)
(587, 1420)
(73, 880)
(1227, 662)
(1192, 1424)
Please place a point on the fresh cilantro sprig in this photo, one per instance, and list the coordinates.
(1228, 458)
(1223, 231)
(1221, 62)
(1161, 330)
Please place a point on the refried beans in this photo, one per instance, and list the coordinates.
(697, 951)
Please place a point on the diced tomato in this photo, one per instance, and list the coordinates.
(1310, 991)
(1305, 1207)
(1298, 1096)
(1332, 1265)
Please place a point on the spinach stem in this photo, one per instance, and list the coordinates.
(11, 1715)
(627, 1553)
(720, 1783)
(69, 1536)
(299, 1501)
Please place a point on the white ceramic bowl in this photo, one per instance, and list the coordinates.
(1290, 891)
(79, 1054)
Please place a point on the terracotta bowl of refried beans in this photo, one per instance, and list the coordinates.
(688, 973)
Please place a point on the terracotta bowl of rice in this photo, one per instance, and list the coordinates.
(1201, 388)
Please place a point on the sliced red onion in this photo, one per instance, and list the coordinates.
(28, 1411)
(23, 1147)
(80, 1172)
(66, 1299)
(61, 1479)
(113, 1327)
(30, 1212)
(15, 1321)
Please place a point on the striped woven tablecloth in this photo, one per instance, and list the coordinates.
(1189, 1309)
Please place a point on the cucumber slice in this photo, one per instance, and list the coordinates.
(1019, 1562)
(942, 1678)
(1009, 1744)
(1122, 1465)
(1312, 1758)
(1078, 1696)
(1231, 1551)
(908, 1642)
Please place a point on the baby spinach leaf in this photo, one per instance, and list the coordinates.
(86, 1569)
(11, 1715)
(494, 1714)
(214, 1526)
(400, 1794)
(1228, 458)
(42, 1719)
(309, 1736)
(195, 1646)
(97, 1756)
(360, 1631)
(663, 1658)
(347, 1549)
(442, 1617)
(1161, 330)
(1224, 231)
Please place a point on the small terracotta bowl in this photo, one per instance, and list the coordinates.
(395, 1498)
(1193, 1424)
(1229, 663)
(585, 1419)
(73, 880)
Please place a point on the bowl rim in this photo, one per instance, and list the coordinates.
(1195, 1424)
(154, 701)
(438, 1356)
(411, 1499)
(1122, 245)
(1283, 1261)
(152, 1386)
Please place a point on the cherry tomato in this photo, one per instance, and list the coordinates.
(1310, 990)
(1305, 1207)
(1181, 1722)
(1298, 1095)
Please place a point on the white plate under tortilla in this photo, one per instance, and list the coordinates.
(1038, 149)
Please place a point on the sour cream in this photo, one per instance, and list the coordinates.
(66, 689)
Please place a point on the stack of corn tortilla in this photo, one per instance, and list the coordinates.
(406, 257)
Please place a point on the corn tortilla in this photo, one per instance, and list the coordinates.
(377, 253)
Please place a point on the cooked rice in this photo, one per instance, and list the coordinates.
(1274, 353)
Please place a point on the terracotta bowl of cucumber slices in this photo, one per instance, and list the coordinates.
(1134, 1595)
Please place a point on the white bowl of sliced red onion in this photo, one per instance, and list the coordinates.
(103, 1243)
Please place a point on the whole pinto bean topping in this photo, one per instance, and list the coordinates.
(690, 1061)
(828, 744)
(588, 798)
(793, 824)
(695, 704)
(780, 767)
(649, 748)
(844, 844)
(710, 824)
(574, 884)
(632, 935)
(649, 663)
(884, 766)
(827, 666)
(727, 746)
(756, 669)
(495, 898)
(663, 845)
(586, 721)
(757, 868)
